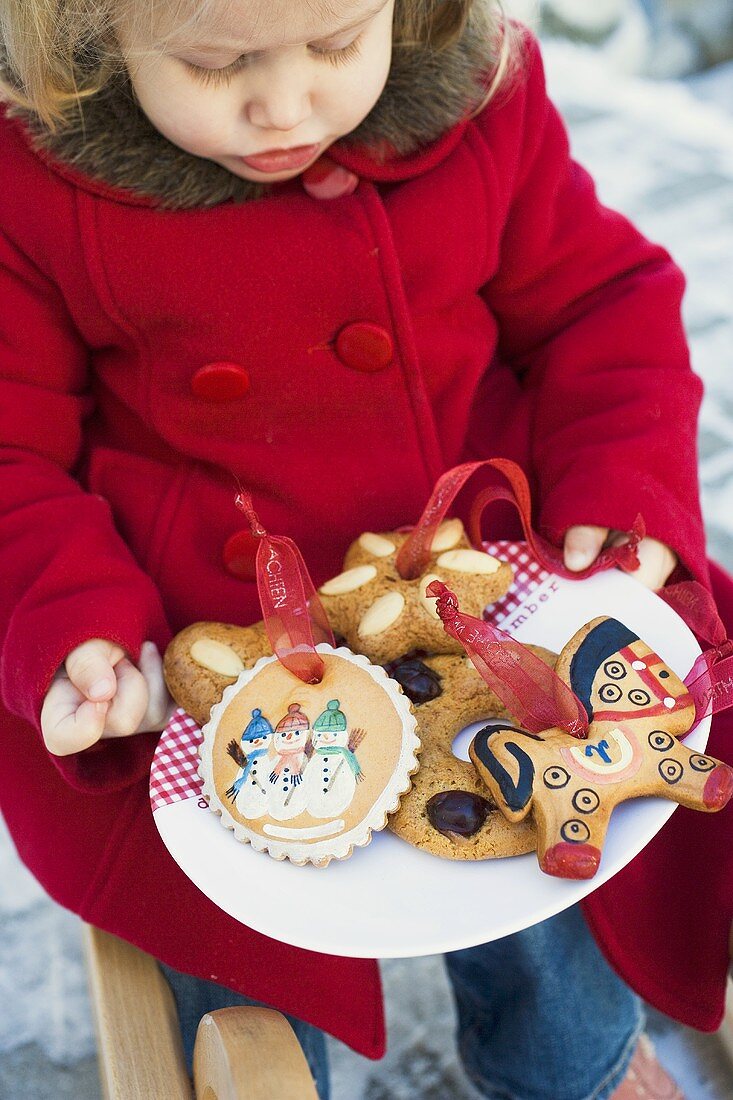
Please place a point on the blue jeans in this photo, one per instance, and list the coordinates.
(541, 1015)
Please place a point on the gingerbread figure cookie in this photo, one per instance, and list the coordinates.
(384, 616)
(637, 709)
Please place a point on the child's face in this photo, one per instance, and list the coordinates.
(279, 75)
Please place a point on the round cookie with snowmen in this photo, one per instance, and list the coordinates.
(306, 771)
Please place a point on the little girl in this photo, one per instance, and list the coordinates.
(328, 250)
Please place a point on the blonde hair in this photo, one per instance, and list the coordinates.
(60, 52)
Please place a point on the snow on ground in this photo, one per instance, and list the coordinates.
(665, 158)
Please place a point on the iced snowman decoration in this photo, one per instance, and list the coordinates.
(322, 799)
(292, 744)
(294, 789)
(250, 790)
(333, 770)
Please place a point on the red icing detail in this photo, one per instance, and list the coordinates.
(364, 346)
(240, 551)
(571, 860)
(719, 787)
(327, 180)
(295, 719)
(220, 382)
(658, 711)
(658, 688)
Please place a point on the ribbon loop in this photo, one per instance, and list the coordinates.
(696, 606)
(710, 681)
(292, 612)
(415, 552)
(531, 691)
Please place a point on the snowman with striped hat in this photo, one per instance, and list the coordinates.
(250, 790)
(333, 770)
(292, 746)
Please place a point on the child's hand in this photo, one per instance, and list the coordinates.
(99, 692)
(583, 544)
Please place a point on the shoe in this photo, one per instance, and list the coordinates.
(645, 1078)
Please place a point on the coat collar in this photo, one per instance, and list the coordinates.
(112, 148)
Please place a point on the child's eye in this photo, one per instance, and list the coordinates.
(339, 55)
(217, 76)
(334, 55)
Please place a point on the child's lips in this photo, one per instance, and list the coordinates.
(282, 160)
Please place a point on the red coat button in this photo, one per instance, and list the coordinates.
(220, 382)
(364, 346)
(240, 551)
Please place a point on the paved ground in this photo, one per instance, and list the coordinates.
(665, 157)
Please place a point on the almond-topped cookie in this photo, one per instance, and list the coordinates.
(383, 615)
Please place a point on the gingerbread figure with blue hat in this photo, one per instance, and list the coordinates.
(621, 712)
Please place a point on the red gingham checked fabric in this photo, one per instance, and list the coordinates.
(528, 574)
(174, 774)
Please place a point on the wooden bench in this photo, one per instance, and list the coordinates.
(241, 1053)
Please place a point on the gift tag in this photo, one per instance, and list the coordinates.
(306, 771)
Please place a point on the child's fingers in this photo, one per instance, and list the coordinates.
(138, 699)
(656, 561)
(582, 546)
(69, 722)
(130, 702)
(91, 668)
(141, 701)
(160, 704)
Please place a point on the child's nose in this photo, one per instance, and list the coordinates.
(280, 105)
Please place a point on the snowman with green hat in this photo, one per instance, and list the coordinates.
(250, 790)
(333, 770)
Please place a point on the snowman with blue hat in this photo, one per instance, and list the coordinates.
(250, 790)
(333, 770)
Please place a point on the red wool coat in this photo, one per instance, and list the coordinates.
(149, 358)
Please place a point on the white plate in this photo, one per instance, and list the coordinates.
(390, 900)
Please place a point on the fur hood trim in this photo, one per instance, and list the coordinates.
(111, 140)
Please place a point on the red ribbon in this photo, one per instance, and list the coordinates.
(415, 552)
(532, 693)
(291, 609)
(696, 606)
(525, 685)
(536, 697)
(710, 680)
